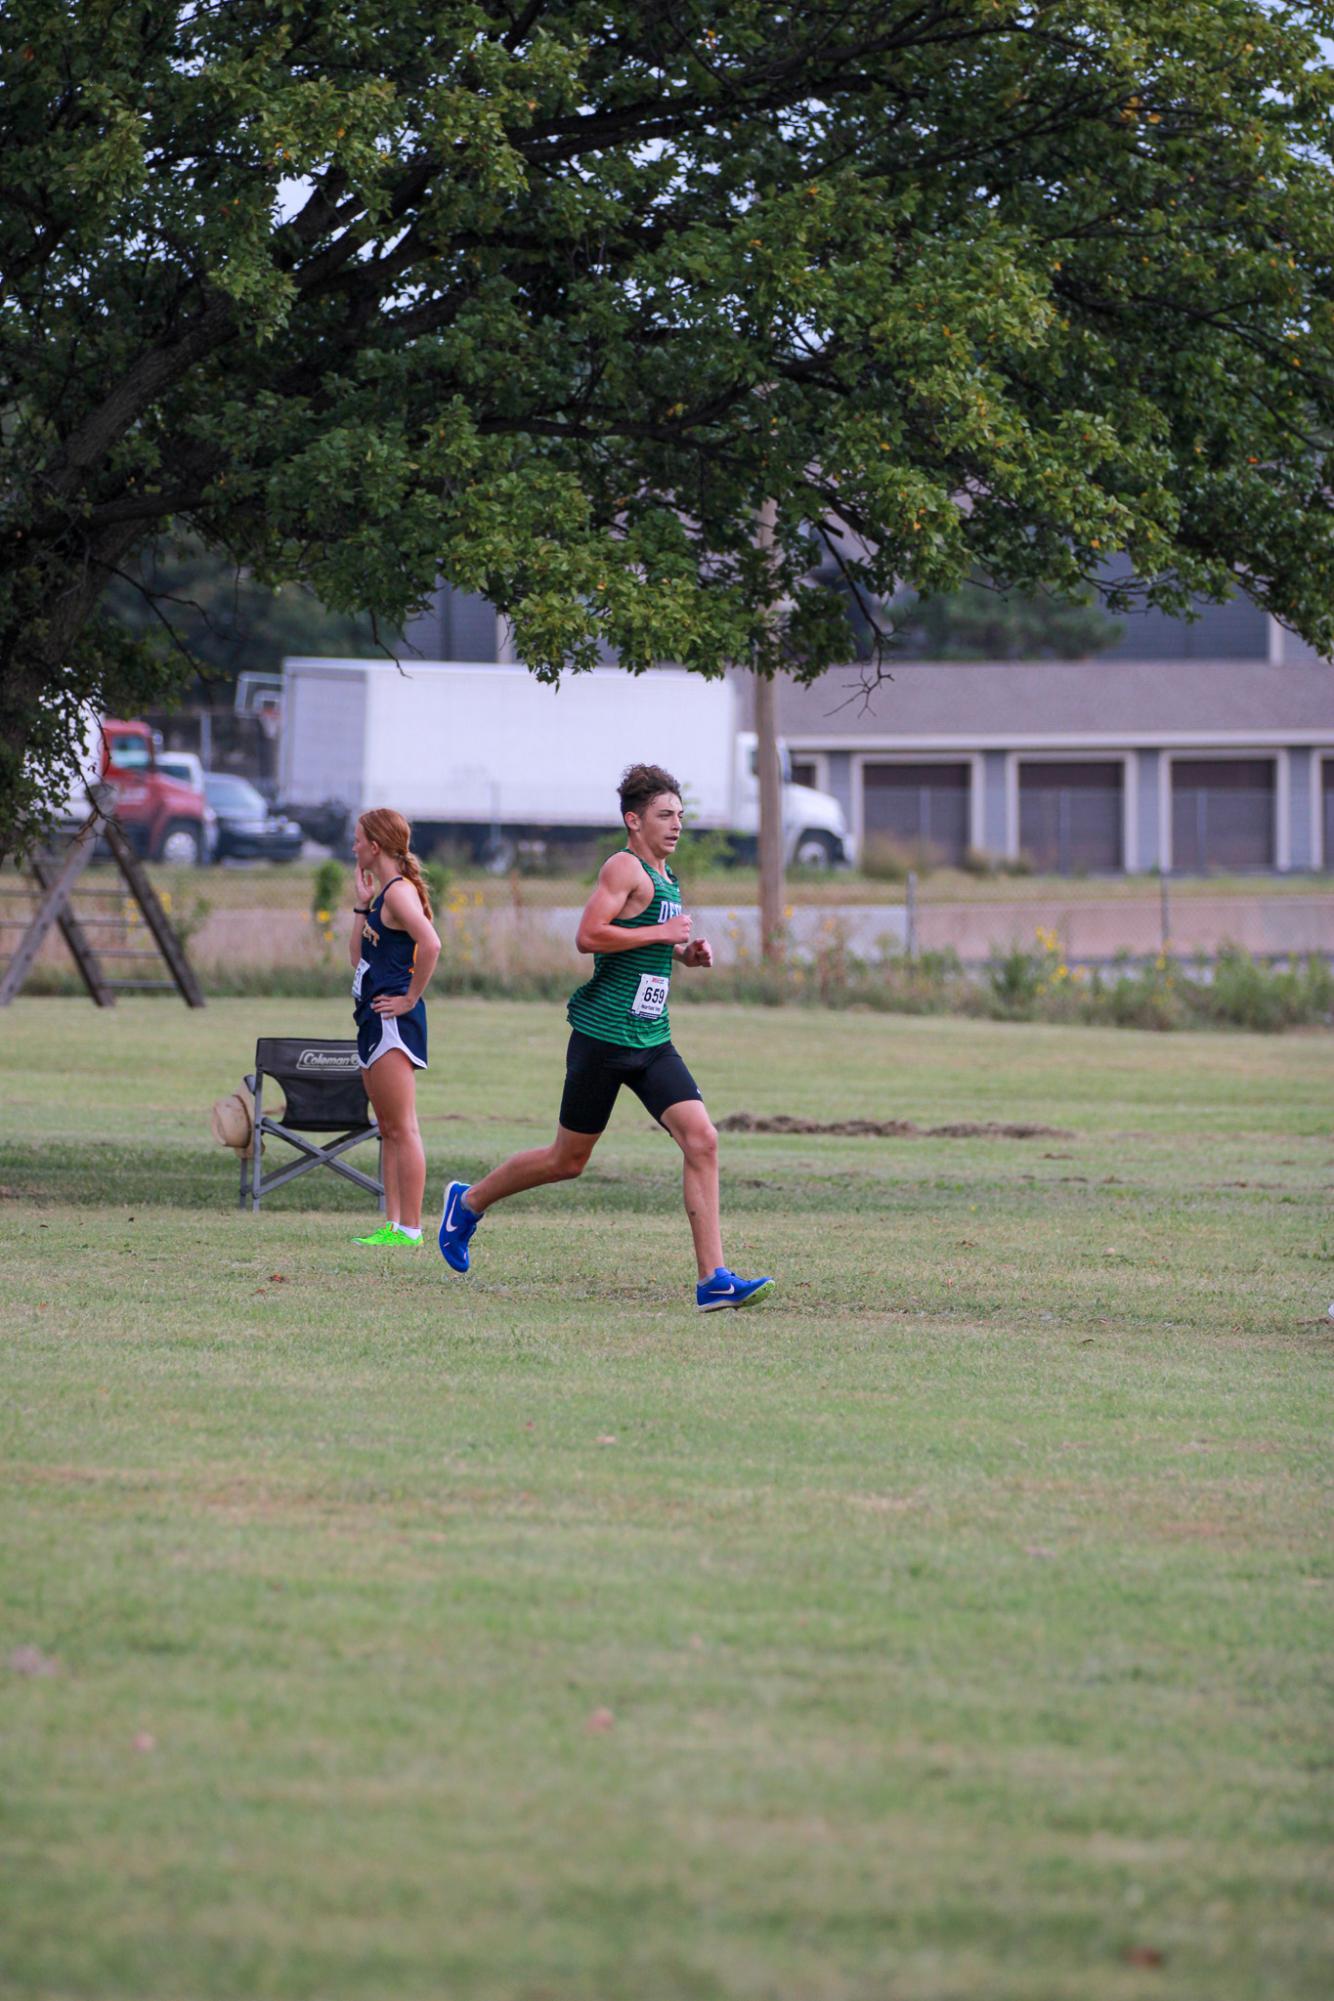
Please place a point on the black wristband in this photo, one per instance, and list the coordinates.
(361, 910)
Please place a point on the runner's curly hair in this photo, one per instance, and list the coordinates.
(391, 832)
(642, 783)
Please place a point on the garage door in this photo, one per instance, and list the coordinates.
(1070, 815)
(1327, 810)
(1223, 813)
(921, 808)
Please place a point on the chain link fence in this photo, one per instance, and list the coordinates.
(264, 926)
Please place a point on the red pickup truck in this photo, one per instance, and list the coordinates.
(165, 820)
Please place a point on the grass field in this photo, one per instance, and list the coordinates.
(955, 1625)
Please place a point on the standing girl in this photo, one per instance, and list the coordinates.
(393, 947)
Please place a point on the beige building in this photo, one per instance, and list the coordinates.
(1113, 764)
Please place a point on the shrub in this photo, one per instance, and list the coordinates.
(1234, 991)
(1013, 978)
(439, 880)
(884, 860)
(327, 885)
(188, 916)
(1022, 982)
(326, 898)
(1151, 996)
(703, 851)
(981, 862)
(1246, 994)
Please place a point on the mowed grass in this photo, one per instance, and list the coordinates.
(954, 1625)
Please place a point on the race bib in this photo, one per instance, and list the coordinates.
(362, 969)
(650, 997)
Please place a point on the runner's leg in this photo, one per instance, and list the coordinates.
(566, 1157)
(693, 1130)
(591, 1084)
(391, 1085)
(388, 1157)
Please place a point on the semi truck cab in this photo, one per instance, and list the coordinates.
(815, 829)
(165, 820)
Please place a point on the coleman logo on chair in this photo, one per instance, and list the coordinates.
(327, 1059)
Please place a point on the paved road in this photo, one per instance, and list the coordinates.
(1088, 928)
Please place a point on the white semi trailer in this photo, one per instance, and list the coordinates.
(489, 757)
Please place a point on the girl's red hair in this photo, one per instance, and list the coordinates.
(392, 834)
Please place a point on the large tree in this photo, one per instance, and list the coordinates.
(549, 296)
(192, 602)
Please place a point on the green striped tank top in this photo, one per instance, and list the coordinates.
(626, 999)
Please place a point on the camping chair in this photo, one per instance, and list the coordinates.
(325, 1094)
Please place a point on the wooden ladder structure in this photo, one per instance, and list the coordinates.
(54, 879)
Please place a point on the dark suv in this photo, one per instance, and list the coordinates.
(247, 829)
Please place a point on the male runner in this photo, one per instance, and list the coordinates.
(620, 1034)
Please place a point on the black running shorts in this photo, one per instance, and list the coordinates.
(595, 1072)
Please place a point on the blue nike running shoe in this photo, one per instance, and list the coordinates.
(724, 1289)
(457, 1223)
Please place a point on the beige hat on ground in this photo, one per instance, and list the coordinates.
(233, 1121)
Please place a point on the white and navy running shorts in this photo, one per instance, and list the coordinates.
(377, 1034)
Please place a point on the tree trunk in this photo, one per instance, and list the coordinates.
(772, 893)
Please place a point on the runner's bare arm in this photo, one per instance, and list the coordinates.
(597, 933)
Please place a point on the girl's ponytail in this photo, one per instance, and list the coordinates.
(391, 832)
(412, 869)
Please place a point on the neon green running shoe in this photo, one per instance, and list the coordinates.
(386, 1234)
(400, 1238)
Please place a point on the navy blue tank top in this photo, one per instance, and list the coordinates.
(387, 956)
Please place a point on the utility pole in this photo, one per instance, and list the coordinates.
(772, 897)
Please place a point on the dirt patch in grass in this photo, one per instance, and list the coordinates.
(782, 1122)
